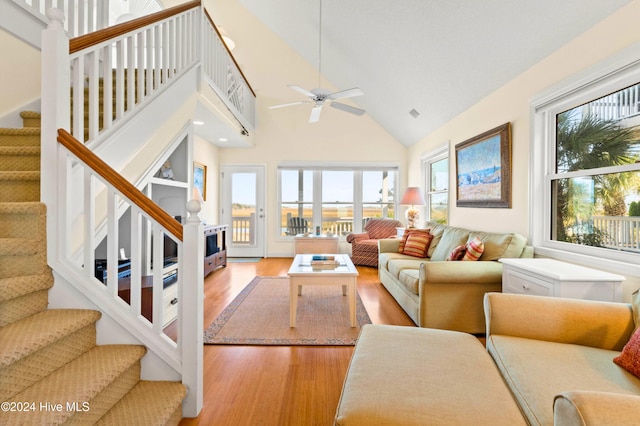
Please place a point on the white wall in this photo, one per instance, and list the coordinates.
(206, 153)
(285, 134)
(511, 103)
(20, 82)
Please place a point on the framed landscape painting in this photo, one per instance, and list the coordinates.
(200, 179)
(483, 169)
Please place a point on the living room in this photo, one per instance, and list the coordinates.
(285, 137)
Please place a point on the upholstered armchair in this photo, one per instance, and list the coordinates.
(364, 247)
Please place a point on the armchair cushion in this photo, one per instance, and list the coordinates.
(381, 228)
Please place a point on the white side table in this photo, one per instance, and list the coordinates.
(550, 277)
(315, 244)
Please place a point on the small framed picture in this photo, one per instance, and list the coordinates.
(200, 179)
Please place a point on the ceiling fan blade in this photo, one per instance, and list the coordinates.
(349, 93)
(303, 91)
(289, 104)
(348, 108)
(315, 114)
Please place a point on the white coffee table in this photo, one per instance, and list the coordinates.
(303, 273)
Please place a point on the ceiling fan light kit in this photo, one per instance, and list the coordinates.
(319, 95)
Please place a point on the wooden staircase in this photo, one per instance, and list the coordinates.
(51, 369)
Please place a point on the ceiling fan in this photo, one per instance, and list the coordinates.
(320, 96)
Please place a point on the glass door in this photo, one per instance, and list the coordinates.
(243, 209)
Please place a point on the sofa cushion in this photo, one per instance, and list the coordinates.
(435, 229)
(497, 245)
(452, 237)
(536, 371)
(409, 279)
(629, 359)
(635, 307)
(417, 243)
(473, 250)
(396, 266)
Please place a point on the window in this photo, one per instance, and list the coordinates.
(436, 174)
(338, 200)
(586, 167)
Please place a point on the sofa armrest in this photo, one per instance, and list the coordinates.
(351, 238)
(604, 325)
(388, 245)
(578, 408)
(460, 272)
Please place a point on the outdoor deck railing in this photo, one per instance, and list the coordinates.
(619, 232)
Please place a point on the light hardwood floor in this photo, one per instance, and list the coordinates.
(278, 385)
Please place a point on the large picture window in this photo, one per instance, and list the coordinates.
(337, 200)
(586, 172)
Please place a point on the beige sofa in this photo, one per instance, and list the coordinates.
(442, 294)
(548, 361)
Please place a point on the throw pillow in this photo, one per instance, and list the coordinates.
(474, 249)
(457, 253)
(406, 234)
(629, 359)
(417, 244)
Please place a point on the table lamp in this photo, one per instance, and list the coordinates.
(412, 197)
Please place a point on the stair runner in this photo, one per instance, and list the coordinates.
(51, 369)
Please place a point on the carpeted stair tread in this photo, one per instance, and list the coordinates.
(14, 287)
(24, 337)
(19, 186)
(148, 403)
(30, 118)
(12, 175)
(20, 158)
(22, 136)
(23, 220)
(98, 378)
(19, 246)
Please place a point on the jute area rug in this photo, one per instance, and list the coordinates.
(259, 315)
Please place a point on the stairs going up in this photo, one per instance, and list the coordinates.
(49, 359)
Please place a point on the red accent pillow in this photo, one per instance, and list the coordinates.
(629, 359)
(457, 253)
(417, 243)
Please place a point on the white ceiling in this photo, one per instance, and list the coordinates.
(437, 56)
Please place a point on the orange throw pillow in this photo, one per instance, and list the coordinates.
(417, 243)
(406, 234)
(474, 249)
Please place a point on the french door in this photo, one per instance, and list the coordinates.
(243, 208)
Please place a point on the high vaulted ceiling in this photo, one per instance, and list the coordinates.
(438, 57)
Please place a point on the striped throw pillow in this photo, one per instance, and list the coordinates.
(474, 249)
(406, 234)
(417, 244)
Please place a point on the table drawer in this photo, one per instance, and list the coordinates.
(516, 282)
(170, 304)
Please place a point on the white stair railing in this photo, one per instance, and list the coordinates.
(112, 79)
(83, 16)
(72, 178)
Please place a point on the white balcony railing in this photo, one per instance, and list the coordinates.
(619, 232)
(617, 106)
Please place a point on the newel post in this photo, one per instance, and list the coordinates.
(192, 314)
(55, 110)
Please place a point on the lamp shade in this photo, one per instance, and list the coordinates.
(412, 197)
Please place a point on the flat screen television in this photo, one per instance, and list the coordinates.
(211, 245)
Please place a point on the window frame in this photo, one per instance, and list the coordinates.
(620, 71)
(426, 161)
(317, 202)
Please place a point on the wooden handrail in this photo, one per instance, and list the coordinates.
(82, 42)
(125, 187)
(229, 51)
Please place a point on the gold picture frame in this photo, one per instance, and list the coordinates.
(200, 179)
(483, 169)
